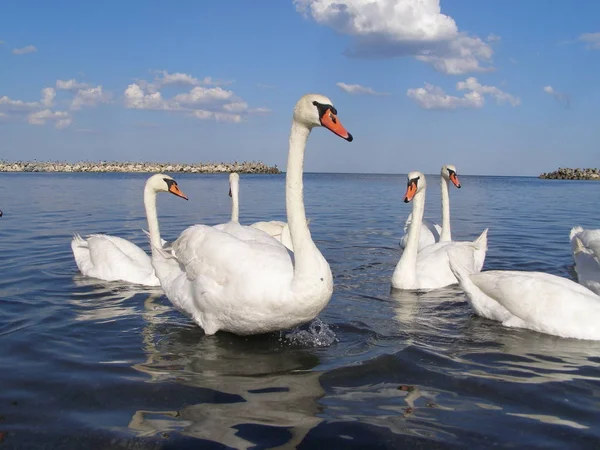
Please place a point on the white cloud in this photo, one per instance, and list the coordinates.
(358, 89)
(201, 102)
(560, 97)
(136, 98)
(434, 97)
(592, 40)
(24, 50)
(48, 95)
(61, 119)
(70, 85)
(203, 95)
(164, 78)
(36, 113)
(493, 37)
(91, 96)
(389, 28)
(17, 105)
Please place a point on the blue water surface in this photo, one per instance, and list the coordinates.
(90, 364)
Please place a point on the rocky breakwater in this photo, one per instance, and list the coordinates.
(572, 174)
(145, 167)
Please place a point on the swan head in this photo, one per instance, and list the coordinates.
(0, 213)
(314, 110)
(164, 183)
(416, 183)
(449, 173)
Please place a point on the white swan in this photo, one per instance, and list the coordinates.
(429, 268)
(586, 254)
(112, 258)
(278, 229)
(430, 232)
(539, 301)
(242, 280)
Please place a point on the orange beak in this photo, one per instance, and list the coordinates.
(454, 178)
(411, 190)
(174, 189)
(330, 121)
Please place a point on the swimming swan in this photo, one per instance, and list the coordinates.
(242, 280)
(430, 232)
(112, 258)
(536, 300)
(429, 268)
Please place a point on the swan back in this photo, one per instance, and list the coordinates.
(548, 303)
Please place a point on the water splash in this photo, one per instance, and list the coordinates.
(317, 334)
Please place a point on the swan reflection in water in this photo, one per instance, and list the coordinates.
(271, 386)
(107, 301)
(441, 323)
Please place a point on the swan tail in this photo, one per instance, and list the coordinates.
(481, 241)
(78, 241)
(81, 253)
(575, 231)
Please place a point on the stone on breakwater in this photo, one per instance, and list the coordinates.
(146, 167)
(572, 174)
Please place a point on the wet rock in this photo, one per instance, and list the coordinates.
(572, 174)
(131, 167)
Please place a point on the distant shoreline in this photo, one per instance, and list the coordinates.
(572, 174)
(136, 167)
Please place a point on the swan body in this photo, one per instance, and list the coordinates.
(539, 301)
(430, 268)
(430, 232)
(238, 278)
(112, 258)
(586, 254)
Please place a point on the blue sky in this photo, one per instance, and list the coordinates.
(500, 88)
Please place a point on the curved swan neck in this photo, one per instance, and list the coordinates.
(151, 217)
(235, 201)
(405, 274)
(445, 235)
(304, 247)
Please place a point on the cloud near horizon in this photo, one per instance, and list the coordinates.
(397, 28)
(434, 97)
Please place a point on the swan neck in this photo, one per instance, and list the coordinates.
(405, 274)
(445, 235)
(151, 217)
(304, 247)
(235, 201)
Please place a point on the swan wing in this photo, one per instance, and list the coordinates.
(130, 249)
(109, 262)
(225, 257)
